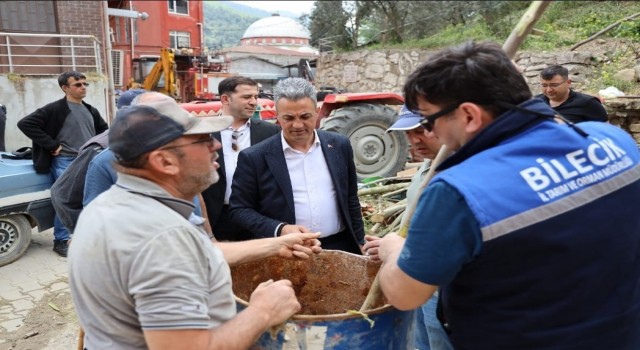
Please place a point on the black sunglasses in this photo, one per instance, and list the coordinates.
(234, 140)
(79, 84)
(429, 120)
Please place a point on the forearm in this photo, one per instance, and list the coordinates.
(246, 251)
(238, 333)
(401, 290)
(355, 211)
(32, 128)
(356, 222)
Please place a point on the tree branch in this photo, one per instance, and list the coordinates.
(608, 28)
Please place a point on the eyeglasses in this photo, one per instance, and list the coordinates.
(234, 140)
(429, 120)
(209, 143)
(552, 85)
(79, 84)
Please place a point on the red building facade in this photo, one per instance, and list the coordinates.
(176, 24)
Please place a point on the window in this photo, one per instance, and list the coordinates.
(179, 39)
(127, 26)
(179, 6)
(27, 16)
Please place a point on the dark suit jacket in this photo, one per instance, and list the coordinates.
(262, 196)
(214, 195)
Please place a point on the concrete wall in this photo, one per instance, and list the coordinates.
(24, 95)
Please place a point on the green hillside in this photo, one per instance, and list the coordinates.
(226, 21)
(224, 24)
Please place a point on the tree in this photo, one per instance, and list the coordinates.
(394, 14)
(328, 24)
(358, 12)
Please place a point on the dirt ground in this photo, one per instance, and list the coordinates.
(46, 328)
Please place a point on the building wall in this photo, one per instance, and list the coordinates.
(153, 33)
(264, 72)
(23, 94)
(81, 18)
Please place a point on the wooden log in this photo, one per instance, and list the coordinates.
(377, 218)
(381, 189)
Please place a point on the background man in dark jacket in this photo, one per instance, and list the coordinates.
(574, 106)
(239, 97)
(3, 121)
(58, 130)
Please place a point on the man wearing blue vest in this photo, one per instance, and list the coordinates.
(530, 227)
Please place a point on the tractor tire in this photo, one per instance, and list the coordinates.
(15, 236)
(375, 152)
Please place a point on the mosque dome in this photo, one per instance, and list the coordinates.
(276, 30)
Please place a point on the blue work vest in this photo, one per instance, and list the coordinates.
(559, 266)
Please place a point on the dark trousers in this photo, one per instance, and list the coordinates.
(341, 241)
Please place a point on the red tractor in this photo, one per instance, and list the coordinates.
(362, 117)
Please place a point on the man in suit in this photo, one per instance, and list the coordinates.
(239, 97)
(300, 180)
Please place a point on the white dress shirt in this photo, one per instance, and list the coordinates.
(230, 156)
(314, 196)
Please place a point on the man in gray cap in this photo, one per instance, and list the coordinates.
(141, 275)
(429, 334)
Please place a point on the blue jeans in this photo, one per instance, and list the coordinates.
(438, 338)
(58, 165)
(420, 332)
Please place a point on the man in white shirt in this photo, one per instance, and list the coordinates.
(239, 97)
(302, 180)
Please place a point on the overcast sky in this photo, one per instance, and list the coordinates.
(297, 7)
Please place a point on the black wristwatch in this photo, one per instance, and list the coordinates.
(279, 229)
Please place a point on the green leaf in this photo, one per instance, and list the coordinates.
(54, 306)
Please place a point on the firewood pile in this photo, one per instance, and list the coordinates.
(384, 200)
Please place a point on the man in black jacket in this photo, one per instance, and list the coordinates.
(239, 97)
(3, 121)
(573, 106)
(57, 131)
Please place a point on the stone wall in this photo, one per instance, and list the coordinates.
(386, 71)
(367, 71)
(625, 113)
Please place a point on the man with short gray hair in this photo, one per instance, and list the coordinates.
(301, 180)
